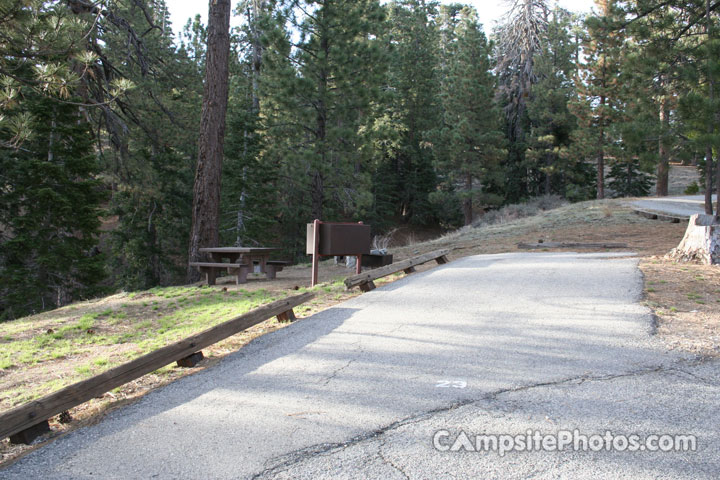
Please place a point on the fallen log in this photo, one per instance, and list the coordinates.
(539, 245)
(666, 217)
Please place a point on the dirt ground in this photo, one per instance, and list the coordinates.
(684, 297)
(686, 300)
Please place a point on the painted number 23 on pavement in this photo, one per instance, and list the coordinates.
(451, 384)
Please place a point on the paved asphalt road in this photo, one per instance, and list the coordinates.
(495, 344)
(684, 205)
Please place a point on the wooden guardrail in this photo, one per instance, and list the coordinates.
(365, 280)
(23, 423)
(543, 245)
(661, 216)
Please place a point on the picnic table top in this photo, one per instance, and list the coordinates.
(238, 249)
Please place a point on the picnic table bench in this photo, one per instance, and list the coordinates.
(274, 266)
(213, 269)
(241, 260)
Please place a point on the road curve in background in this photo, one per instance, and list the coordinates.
(681, 206)
(492, 344)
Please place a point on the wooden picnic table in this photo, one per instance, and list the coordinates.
(240, 262)
(246, 255)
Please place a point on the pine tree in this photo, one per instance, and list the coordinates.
(42, 50)
(599, 105)
(49, 212)
(316, 99)
(249, 195)
(403, 173)
(193, 43)
(205, 227)
(639, 133)
(680, 39)
(553, 169)
(652, 66)
(519, 43)
(469, 145)
(627, 179)
(150, 156)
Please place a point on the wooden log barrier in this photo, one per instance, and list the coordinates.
(536, 246)
(366, 280)
(22, 423)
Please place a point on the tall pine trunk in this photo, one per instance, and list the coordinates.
(467, 202)
(601, 145)
(548, 164)
(663, 168)
(206, 191)
(711, 122)
(258, 6)
(601, 166)
(318, 184)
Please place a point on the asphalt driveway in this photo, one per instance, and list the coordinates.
(383, 386)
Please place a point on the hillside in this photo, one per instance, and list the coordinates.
(45, 352)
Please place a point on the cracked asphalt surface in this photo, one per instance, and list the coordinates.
(491, 344)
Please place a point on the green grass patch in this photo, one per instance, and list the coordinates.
(84, 370)
(189, 310)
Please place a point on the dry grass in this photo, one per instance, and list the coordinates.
(686, 301)
(595, 221)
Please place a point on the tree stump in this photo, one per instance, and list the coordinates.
(701, 242)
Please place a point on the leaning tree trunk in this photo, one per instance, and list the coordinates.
(701, 241)
(206, 191)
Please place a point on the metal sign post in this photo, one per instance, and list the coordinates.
(327, 239)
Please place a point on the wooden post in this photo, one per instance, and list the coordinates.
(27, 436)
(316, 246)
(191, 360)
(358, 261)
(288, 316)
(211, 275)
